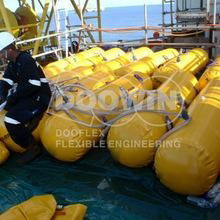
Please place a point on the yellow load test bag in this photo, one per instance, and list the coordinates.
(6, 139)
(108, 55)
(213, 71)
(99, 79)
(143, 66)
(44, 208)
(192, 167)
(132, 139)
(91, 84)
(68, 139)
(105, 69)
(133, 143)
(88, 67)
(123, 60)
(193, 61)
(91, 62)
(109, 64)
(59, 66)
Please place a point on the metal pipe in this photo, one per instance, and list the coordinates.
(49, 20)
(57, 25)
(99, 19)
(85, 5)
(78, 13)
(163, 18)
(82, 22)
(208, 10)
(5, 16)
(171, 12)
(145, 23)
(66, 35)
(201, 4)
(191, 45)
(215, 9)
(48, 36)
(19, 27)
(155, 28)
(33, 4)
(41, 27)
(214, 21)
(46, 53)
(40, 3)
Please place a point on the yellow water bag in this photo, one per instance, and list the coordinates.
(88, 53)
(100, 76)
(37, 131)
(99, 79)
(59, 66)
(123, 60)
(44, 208)
(132, 139)
(193, 165)
(78, 133)
(4, 153)
(38, 208)
(138, 54)
(74, 58)
(143, 65)
(213, 71)
(193, 62)
(56, 68)
(68, 139)
(72, 76)
(5, 137)
(110, 54)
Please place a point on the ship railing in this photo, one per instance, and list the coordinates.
(59, 34)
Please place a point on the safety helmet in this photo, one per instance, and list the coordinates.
(6, 39)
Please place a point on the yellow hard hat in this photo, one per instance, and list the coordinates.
(6, 39)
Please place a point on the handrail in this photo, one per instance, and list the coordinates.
(48, 36)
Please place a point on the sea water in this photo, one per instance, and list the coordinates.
(120, 17)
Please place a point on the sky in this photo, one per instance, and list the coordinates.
(118, 3)
(12, 4)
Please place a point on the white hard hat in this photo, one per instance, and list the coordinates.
(6, 39)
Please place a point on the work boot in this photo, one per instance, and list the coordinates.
(33, 151)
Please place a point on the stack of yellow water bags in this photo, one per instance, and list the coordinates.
(77, 125)
(194, 165)
(71, 79)
(132, 139)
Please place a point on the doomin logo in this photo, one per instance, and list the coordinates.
(104, 104)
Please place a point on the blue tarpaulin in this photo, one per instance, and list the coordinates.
(110, 190)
